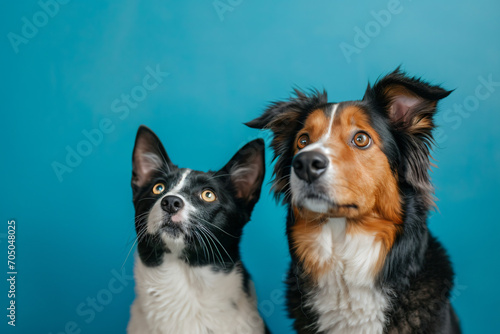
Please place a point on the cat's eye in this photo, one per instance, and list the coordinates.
(361, 140)
(158, 188)
(303, 141)
(208, 195)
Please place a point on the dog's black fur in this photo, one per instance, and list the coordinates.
(417, 271)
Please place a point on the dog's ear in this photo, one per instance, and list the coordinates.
(409, 102)
(283, 119)
(281, 116)
(410, 105)
(246, 171)
(148, 157)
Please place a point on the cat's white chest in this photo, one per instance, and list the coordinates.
(177, 298)
(346, 298)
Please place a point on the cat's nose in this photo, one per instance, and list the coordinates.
(172, 204)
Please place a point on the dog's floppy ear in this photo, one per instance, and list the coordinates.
(283, 119)
(409, 102)
(148, 157)
(281, 116)
(410, 105)
(246, 171)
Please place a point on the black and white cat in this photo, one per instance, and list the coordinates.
(188, 273)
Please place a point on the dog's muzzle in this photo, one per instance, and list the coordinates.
(309, 166)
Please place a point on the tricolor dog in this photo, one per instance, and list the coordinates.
(354, 177)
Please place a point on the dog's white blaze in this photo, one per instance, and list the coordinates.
(177, 298)
(317, 146)
(320, 146)
(332, 116)
(346, 298)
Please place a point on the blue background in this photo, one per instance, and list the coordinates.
(223, 70)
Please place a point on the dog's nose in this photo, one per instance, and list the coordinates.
(309, 166)
(172, 204)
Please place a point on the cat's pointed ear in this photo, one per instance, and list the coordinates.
(246, 171)
(148, 157)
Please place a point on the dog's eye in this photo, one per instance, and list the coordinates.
(361, 140)
(158, 188)
(303, 141)
(208, 195)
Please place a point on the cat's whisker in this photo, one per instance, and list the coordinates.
(223, 248)
(212, 224)
(210, 235)
(208, 242)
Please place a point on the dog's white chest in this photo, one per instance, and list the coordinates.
(177, 298)
(346, 299)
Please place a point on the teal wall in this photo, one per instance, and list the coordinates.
(66, 75)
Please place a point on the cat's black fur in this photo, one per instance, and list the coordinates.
(211, 230)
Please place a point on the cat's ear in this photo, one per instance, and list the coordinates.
(246, 171)
(148, 157)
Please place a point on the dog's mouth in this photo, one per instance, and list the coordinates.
(321, 203)
(315, 198)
